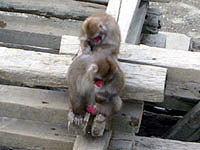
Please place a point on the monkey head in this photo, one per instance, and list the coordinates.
(102, 70)
(95, 31)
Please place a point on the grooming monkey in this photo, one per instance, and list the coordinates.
(100, 30)
(94, 82)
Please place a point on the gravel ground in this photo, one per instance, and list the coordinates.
(181, 16)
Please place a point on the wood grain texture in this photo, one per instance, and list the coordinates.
(150, 143)
(113, 8)
(127, 16)
(33, 104)
(34, 135)
(187, 126)
(41, 69)
(69, 9)
(91, 143)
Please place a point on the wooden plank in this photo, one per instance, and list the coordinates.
(150, 143)
(127, 16)
(28, 38)
(104, 2)
(182, 65)
(122, 141)
(135, 30)
(186, 127)
(43, 69)
(52, 8)
(181, 96)
(34, 135)
(128, 120)
(113, 8)
(91, 143)
(38, 24)
(33, 104)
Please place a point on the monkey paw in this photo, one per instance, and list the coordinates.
(76, 119)
(100, 118)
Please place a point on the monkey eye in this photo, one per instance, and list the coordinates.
(97, 39)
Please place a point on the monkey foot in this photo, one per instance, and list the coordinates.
(100, 118)
(76, 119)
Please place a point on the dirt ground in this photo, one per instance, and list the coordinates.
(181, 16)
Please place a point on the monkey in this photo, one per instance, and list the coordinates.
(94, 82)
(100, 30)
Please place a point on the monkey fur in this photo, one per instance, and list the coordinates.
(100, 30)
(83, 73)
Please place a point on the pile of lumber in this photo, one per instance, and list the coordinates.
(37, 47)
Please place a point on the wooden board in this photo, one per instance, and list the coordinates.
(22, 134)
(186, 127)
(91, 143)
(28, 38)
(122, 141)
(42, 69)
(33, 104)
(69, 9)
(134, 32)
(128, 120)
(113, 8)
(183, 66)
(150, 143)
(127, 16)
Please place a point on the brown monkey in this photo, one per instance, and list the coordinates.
(94, 76)
(100, 30)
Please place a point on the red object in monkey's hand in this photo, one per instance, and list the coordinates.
(91, 110)
(99, 83)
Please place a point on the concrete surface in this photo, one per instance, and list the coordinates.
(182, 16)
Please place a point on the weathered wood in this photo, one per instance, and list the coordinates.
(43, 69)
(34, 68)
(182, 65)
(186, 127)
(34, 135)
(113, 8)
(127, 16)
(91, 143)
(150, 143)
(33, 104)
(32, 39)
(136, 27)
(38, 24)
(29, 48)
(129, 118)
(181, 96)
(121, 141)
(104, 2)
(52, 8)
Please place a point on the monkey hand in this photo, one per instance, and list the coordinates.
(76, 119)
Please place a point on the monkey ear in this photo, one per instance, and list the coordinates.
(93, 68)
(102, 26)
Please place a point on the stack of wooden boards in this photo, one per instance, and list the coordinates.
(33, 118)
